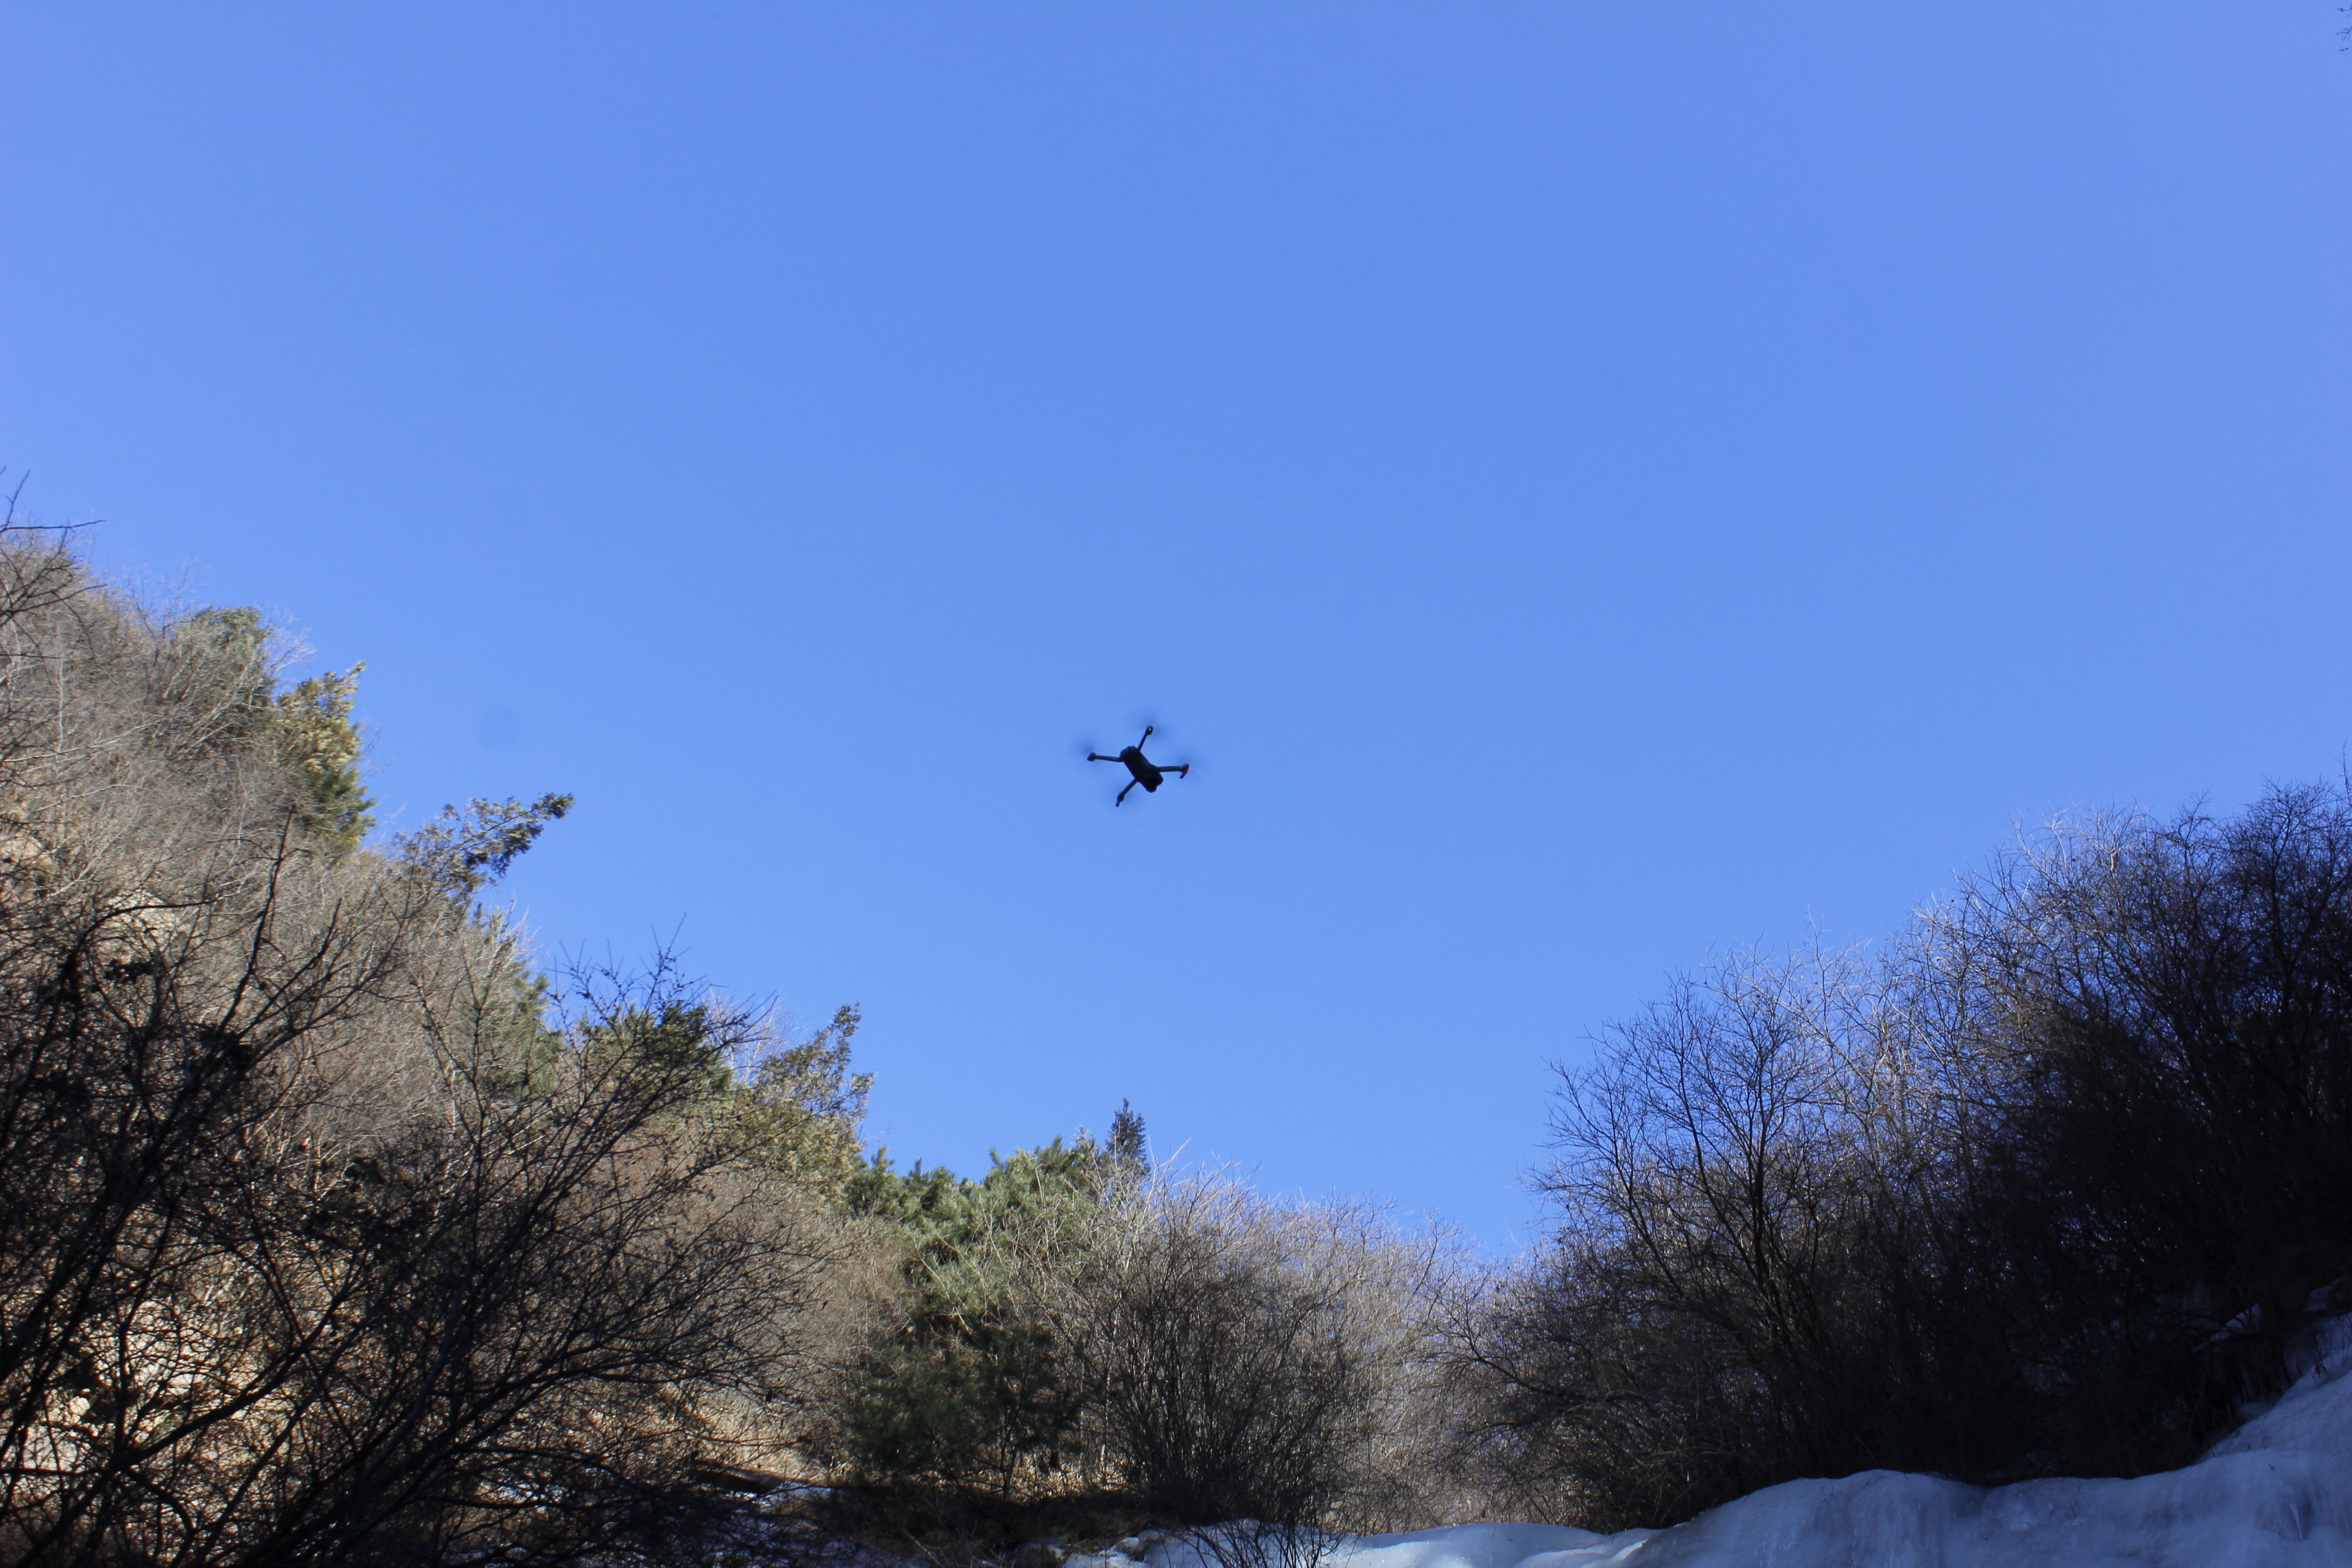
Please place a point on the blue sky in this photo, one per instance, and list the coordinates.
(1591, 485)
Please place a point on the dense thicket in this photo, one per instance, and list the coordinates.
(326, 1234)
(2052, 1183)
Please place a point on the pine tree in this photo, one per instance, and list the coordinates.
(1127, 1141)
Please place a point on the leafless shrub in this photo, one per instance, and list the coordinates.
(1248, 1365)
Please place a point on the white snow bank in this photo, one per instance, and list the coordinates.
(2277, 1491)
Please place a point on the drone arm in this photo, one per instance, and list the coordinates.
(1123, 795)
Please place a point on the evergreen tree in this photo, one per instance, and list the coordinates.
(964, 1389)
(222, 662)
(1127, 1145)
(797, 1111)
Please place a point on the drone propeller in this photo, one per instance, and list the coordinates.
(1183, 761)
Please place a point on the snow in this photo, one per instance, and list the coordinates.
(2276, 1491)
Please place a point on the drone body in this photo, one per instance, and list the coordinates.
(1148, 774)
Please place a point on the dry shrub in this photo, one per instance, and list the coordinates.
(1244, 1361)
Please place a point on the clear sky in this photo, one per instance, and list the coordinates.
(1591, 485)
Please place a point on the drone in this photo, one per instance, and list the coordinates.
(1148, 774)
